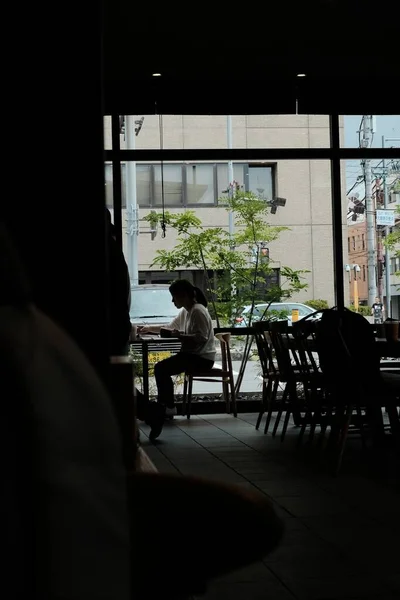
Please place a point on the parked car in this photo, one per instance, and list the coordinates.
(151, 304)
(281, 310)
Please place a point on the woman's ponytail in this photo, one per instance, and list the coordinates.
(200, 297)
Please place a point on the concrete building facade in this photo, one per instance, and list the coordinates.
(306, 185)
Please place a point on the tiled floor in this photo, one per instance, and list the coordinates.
(342, 535)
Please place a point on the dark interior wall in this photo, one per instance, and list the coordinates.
(55, 207)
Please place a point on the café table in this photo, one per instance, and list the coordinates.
(146, 344)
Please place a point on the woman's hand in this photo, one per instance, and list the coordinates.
(143, 329)
(175, 333)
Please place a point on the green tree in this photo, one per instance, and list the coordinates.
(241, 262)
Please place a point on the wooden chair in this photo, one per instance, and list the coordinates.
(224, 374)
(279, 367)
(270, 374)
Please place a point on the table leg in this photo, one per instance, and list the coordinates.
(145, 363)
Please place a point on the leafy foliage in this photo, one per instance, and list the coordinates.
(362, 310)
(241, 261)
(317, 304)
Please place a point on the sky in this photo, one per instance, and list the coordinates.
(389, 126)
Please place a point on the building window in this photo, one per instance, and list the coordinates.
(173, 185)
(143, 185)
(348, 244)
(353, 239)
(363, 271)
(190, 184)
(260, 180)
(363, 241)
(200, 185)
(222, 177)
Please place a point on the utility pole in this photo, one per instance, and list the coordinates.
(132, 219)
(387, 231)
(370, 210)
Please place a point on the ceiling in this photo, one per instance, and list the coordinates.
(245, 58)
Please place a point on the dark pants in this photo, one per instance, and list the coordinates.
(179, 363)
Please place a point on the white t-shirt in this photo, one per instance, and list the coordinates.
(198, 327)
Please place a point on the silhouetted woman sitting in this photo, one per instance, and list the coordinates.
(198, 345)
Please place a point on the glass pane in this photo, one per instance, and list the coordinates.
(222, 177)
(200, 184)
(370, 131)
(306, 244)
(107, 133)
(108, 177)
(173, 185)
(211, 131)
(143, 185)
(372, 194)
(260, 181)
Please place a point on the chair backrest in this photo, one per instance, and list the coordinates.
(304, 335)
(277, 335)
(265, 348)
(283, 347)
(226, 358)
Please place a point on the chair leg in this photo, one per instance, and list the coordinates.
(290, 409)
(233, 395)
(279, 415)
(362, 429)
(189, 396)
(263, 404)
(343, 437)
(225, 395)
(271, 404)
(285, 423)
(185, 390)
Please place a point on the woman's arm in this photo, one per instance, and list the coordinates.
(200, 330)
(176, 323)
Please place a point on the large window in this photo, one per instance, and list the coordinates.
(285, 156)
(191, 184)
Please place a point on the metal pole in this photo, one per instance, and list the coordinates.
(230, 170)
(336, 199)
(131, 204)
(387, 231)
(371, 250)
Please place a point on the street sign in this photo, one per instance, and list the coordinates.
(385, 217)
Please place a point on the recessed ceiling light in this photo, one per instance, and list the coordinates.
(301, 75)
(156, 74)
